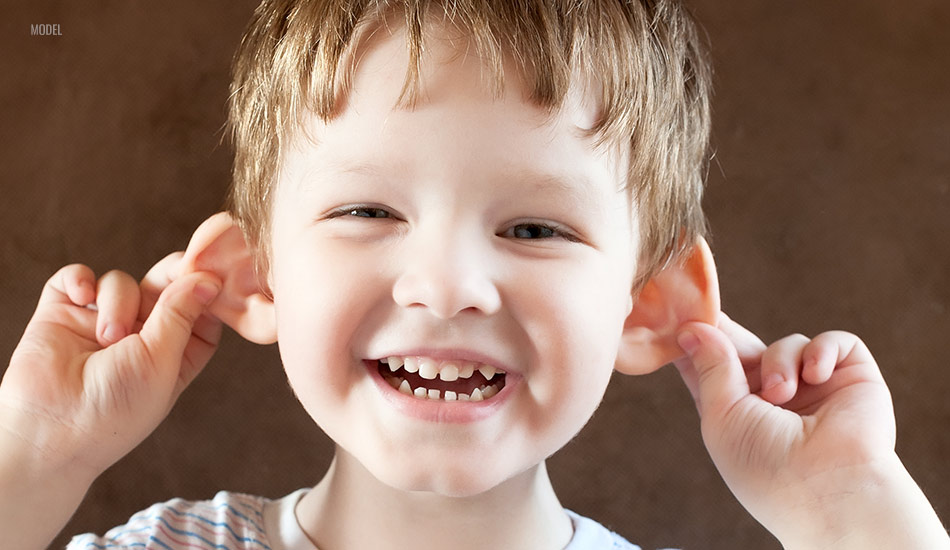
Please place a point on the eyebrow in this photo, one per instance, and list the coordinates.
(361, 168)
(551, 183)
(339, 167)
(574, 187)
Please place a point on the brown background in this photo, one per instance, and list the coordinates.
(829, 201)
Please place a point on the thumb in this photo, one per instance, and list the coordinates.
(168, 328)
(720, 377)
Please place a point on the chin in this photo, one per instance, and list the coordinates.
(453, 482)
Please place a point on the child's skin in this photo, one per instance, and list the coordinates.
(501, 237)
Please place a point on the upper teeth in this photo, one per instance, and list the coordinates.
(449, 371)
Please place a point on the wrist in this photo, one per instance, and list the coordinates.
(32, 453)
(38, 492)
(877, 505)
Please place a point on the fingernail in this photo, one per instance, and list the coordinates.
(113, 333)
(688, 341)
(772, 381)
(206, 292)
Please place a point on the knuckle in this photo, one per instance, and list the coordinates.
(843, 340)
(163, 272)
(173, 259)
(842, 335)
(177, 319)
(71, 272)
(181, 319)
(174, 256)
(718, 357)
(76, 265)
(788, 344)
(142, 355)
(116, 276)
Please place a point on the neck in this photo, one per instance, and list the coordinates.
(351, 509)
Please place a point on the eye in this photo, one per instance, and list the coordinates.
(532, 231)
(368, 212)
(360, 211)
(537, 231)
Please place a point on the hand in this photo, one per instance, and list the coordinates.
(101, 363)
(792, 426)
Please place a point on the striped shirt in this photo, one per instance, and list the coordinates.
(234, 521)
(229, 521)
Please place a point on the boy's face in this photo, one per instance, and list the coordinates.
(467, 231)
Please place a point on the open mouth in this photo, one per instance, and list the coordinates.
(426, 378)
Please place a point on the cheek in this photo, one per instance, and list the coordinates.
(575, 333)
(321, 296)
(581, 312)
(316, 284)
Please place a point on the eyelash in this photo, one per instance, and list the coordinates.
(549, 231)
(359, 211)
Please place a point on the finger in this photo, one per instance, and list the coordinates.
(158, 277)
(721, 378)
(781, 368)
(167, 332)
(206, 335)
(824, 353)
(689, 376)
(117, 299)
(749, 347)
(73, 284)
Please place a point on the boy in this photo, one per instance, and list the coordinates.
(451, 282)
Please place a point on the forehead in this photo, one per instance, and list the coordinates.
(455, 105)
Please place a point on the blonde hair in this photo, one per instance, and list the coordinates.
(646, 55)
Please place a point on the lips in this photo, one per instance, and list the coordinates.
(444, 380)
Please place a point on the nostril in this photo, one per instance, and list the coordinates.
(447, 292)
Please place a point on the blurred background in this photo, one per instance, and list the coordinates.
(828, 199)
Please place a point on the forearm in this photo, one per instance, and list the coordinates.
(882, 508)
(36, 498)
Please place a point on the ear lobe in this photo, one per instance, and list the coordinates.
(680, 293)
(218, 246)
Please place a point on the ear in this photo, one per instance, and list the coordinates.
(682, 292)
(218, 246)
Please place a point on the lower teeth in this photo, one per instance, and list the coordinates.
(479, 394)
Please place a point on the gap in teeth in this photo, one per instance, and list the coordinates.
(430, 369)
(423, 379)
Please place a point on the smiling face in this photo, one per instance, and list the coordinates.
(467, 235)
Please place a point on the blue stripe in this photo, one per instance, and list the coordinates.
(239, 514)
(191, 534)
(207, 521)
(252, 509)
(157, 515)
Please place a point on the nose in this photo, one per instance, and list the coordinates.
(447, 273)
